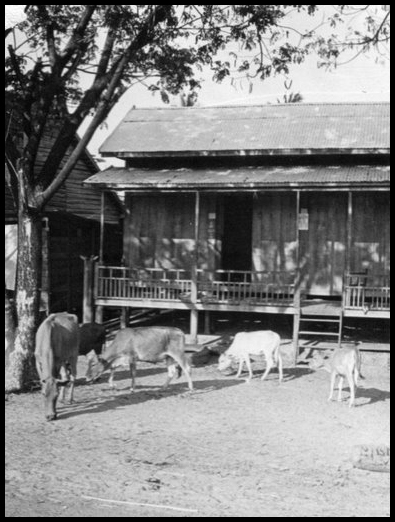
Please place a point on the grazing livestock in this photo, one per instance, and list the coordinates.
(57, 342)
(244, 344)
(92, 338)
(149, 344)
(344, 362)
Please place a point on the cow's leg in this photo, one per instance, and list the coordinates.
(182, 360)
(62, 393)
(350, 378)
(241, 364)
(72, 376)
(64, 378)
(170, 374)
(248, 363)
(111, 378)
(72, 381)
(339, 393)
(333, 378)
(269, 366)
(171, 371)
(280, 368)
(132, 366)
(356, 375)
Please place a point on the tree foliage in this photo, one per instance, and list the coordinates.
(108, 48)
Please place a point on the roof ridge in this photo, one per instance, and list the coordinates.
(262, 105)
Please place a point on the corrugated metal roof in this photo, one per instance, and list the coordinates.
(247, 177)
(275, 128)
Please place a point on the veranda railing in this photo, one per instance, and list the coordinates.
(220, 286)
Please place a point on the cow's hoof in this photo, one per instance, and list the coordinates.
(51, 417)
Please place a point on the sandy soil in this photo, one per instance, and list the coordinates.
(226, 449)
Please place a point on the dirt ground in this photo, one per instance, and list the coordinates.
(226, 449)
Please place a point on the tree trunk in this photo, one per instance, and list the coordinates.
(9, 326)
(21, 370)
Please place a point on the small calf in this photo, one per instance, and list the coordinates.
(265, 343)
(344, 362)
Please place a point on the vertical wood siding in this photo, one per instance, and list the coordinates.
(159, 231)
(370, 233)
(323, 245)
(274, 232)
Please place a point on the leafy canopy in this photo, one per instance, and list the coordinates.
(78, 60)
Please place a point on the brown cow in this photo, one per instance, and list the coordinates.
(149, 344)
(57, 343)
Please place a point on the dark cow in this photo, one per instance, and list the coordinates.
(92, 338)
(150, 344)
(57, 343)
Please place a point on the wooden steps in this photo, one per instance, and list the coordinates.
(317, 320)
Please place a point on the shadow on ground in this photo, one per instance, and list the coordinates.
(374, 394)
(122, 397)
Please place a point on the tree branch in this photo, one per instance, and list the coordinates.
(50, 37)
(107, 84)
(74, 41)
(106, 53)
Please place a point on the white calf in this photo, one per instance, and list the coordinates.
(344, 362)
(265, 343)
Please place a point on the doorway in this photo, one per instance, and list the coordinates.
(237, 232)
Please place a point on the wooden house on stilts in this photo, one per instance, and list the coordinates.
(278, 209)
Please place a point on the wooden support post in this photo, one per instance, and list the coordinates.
(349, 232)
(207, 325)
(125, 315)
(101, 254)
(194, 274)
(88, 297)
(99, 314)
(297, 292)
(348, 263)
(194, 325)
(99, 309)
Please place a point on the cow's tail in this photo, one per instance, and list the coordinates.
(277, 357)
(176, 350)
(358, 363)
(44, 349)
(276, 351)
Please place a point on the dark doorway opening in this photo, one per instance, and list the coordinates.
(237, 234)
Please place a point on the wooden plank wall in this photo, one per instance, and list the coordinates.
(73, 197)
(70, 238)
(159, 231)
(274, 243)
(370, 233)
(323, 245)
